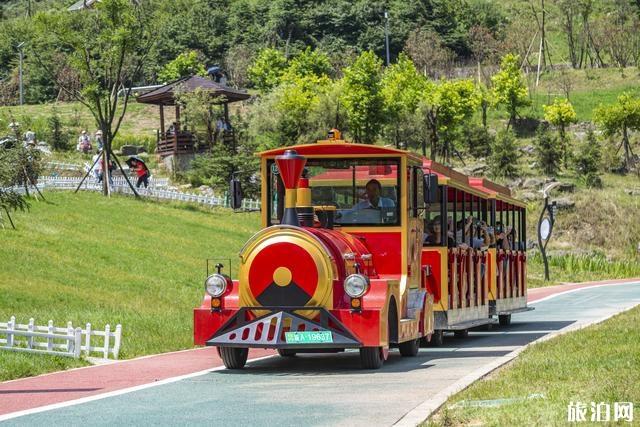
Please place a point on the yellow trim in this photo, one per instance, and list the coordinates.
(443, 180)
(289, 198)
(379, 229)
(315, 182)
(330, 143)
(263, 192)
(493, 278)
(467, 189)
(511, 200)
(303, 197)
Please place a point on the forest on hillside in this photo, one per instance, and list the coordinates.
(443, 37)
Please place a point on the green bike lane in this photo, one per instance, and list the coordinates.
(332, 389)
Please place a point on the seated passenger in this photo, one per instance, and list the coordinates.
(374, 201)
(469, 238)
(433, 234)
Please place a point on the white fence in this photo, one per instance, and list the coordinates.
(66, 341)
(64, 182)
(157, 190)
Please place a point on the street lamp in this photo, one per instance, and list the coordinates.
(386, 34)
(21, 53)
(545, 224)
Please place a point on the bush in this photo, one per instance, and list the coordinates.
(148, 142)
(478, 140)
(586, 161)
(56, 136)
(548, 151)
(503, 162)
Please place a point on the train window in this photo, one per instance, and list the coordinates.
(435, 223)
(363, 191)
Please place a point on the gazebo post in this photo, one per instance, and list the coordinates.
(176, 130)
(162, 120)
(226, 112)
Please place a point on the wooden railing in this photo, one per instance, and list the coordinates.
(468, 279)
(511, 273)
(177, 143)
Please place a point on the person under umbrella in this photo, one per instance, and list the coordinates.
(142, 171)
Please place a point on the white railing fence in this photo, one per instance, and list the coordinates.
(59, 341)
(157, 190)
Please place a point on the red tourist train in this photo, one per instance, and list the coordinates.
(366, 247)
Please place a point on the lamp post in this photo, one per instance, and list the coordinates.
(545, 225)
(21, 54)
(386, 34)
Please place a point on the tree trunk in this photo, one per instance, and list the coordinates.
(625, 144)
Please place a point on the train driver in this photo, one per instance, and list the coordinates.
(373, 191)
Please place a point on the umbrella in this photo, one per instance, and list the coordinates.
(137, 159)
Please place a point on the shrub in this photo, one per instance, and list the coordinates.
(587, 159)
(148, 142)
(548, 151)
(503, 162)
(478, 140)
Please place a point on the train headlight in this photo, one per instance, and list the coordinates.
(215, 285)
(356, 285)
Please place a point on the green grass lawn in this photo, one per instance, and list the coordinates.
(596, 364)
(88, 259)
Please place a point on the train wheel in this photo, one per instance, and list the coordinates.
(233, 357)
(371, 357)
(462, 333)
(409, 348)
(437, 338)
(504, 319)
(286, 352)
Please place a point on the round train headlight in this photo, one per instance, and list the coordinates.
(215, 285)
(356, 285)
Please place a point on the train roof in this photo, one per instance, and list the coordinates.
(341, 148)
(470, 184)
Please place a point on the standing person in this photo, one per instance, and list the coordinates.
(84, 142)
(30, 138)
(142, 172)
(99, 140)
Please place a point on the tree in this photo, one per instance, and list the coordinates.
(503, 162)
(184, 65)
(309, 63)
(447, 106)
(18, 167)
(620, 118)
(561, 114)
(362, 97)
(237, 61)
(427, 50)
(402, 88)
(267, 69)
(199, 111)
(107, 47)
(587, 159)
(548, 151)
(509, 88)
(56, 135)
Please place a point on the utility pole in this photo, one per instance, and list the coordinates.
(386, 34)
(21, 53)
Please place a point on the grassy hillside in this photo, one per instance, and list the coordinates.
(573, 367)
(88, 259)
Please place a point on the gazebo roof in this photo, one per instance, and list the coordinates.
(164, 95)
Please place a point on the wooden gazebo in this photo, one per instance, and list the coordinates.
(175, 141)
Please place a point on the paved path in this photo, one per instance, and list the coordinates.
(311, 389)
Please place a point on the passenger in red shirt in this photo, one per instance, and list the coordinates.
(143, 174)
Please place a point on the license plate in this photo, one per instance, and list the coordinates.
(308, 337)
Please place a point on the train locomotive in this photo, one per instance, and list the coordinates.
(341, 260)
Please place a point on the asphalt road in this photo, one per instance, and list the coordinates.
(332, 389)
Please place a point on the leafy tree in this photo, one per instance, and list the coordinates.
(57, 137)
(402, 88)
(620, 118)
(362, 97)
(561, 114)
(586, 161)
(186, 64)
(478, 139)
(503, 162)
(447, 106)
(309, 63)
(509, 88)
(267, 69)
(548, 151)
(107, 48)
(200, 111)
(18, 167)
